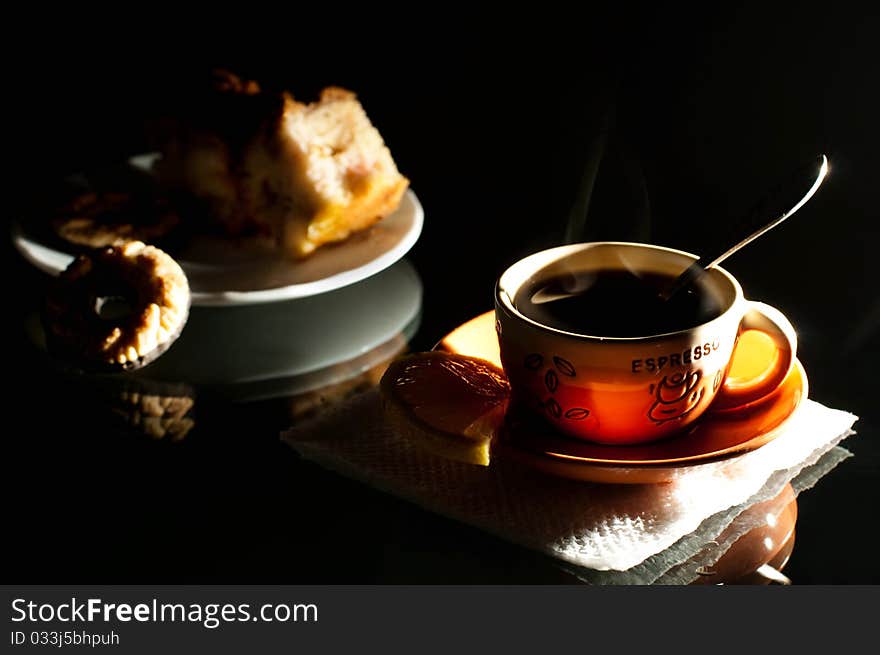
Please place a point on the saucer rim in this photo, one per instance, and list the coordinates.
(763, 438)
(616, 470)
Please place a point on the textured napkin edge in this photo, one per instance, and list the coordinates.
(665, 558)
(775, 480)
(806, 479)
(709, 528)
(680, 563)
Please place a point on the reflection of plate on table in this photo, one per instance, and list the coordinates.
(715, 436)
(226, 272)
(267, 350)
(295, 346)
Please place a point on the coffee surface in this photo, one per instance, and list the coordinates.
(616, 304)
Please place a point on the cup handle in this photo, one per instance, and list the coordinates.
(773, 323)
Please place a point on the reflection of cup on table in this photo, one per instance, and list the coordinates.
(588, 343)
(758, 555)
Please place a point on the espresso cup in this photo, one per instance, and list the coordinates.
(629, 390)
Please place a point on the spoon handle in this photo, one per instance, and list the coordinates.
(780, 203)
(776, 202)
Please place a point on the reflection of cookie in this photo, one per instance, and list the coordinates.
(157, 416)
(119, 308)
(156, 409)
(96, 220)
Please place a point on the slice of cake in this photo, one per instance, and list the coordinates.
(305, 174)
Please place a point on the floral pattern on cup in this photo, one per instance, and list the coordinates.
(534, 362)
(564, 366)
(675, 396)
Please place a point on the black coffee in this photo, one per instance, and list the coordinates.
(616, 304)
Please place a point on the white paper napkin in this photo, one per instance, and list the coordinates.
(681, 562)
(601, 528)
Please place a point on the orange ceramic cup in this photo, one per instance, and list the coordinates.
(633, 390)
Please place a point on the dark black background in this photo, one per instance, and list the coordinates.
(493, 115)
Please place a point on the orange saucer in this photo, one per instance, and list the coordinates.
(715, 436)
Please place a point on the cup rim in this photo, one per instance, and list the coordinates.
(504, 298)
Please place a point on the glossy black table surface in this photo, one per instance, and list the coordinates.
(690, 119)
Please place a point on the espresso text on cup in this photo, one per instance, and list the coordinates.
(683, 358)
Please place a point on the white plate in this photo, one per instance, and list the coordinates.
(225, 272)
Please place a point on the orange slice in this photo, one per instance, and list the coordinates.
(452, 405)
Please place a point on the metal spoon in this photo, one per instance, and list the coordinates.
(808, 177)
